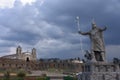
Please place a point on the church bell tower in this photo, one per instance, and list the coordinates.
(18, 52)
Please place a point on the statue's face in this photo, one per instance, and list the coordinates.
(94, 26)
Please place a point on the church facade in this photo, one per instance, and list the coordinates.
(26, 56)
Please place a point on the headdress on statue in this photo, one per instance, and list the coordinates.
(93, 24)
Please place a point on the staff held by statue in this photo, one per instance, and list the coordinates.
(78, 26)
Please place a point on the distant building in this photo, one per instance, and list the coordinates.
(27, 56)
(28, 61)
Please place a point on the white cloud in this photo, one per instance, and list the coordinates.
(27, 1)
(10, 3)
(6, 3)
(12, 50)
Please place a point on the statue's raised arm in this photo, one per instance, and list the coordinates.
(84, 33)
(103, 29)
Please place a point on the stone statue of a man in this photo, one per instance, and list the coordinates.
(97, 42)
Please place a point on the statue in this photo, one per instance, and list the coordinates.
(88, 55)
(97, 42)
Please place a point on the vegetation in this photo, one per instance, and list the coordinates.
(70, 78)
(21, 74)
(42, 78)
(6, 75)
(26, 78)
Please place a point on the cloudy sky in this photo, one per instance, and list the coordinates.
(50, 26)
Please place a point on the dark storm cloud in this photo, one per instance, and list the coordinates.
(63, 13)
(51, 26)
(22, 36)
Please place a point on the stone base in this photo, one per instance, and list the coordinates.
(100, 76)
(100, 71)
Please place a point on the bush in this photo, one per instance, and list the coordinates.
(47, 78)
(70, 78)
(67, 78)
(21, 75)
(43, 78)
(40, 78)
(7, 75)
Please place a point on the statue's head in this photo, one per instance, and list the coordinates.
(93, 25)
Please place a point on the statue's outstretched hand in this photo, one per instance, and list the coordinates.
(79, 32)
(104, 28)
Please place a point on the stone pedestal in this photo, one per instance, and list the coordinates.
(100, 71)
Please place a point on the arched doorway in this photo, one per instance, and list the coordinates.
(27, 59)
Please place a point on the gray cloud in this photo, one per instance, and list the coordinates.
(51, 28)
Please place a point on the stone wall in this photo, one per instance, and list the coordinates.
(38, 65)
(100, 71)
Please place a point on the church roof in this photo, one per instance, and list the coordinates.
(12, 56)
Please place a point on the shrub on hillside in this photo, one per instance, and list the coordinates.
(42, 78)
(7, 75)
(70, 78)
(21, 75)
